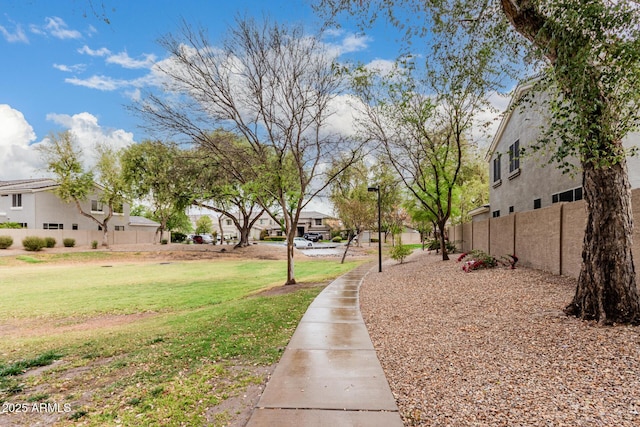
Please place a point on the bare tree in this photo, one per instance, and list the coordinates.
(271, 84)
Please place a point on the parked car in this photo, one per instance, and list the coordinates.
(301, 242)
(203, 239)
(314, 237)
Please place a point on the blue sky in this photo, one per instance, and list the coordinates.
(65, 68)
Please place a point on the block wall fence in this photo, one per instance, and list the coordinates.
(548, 239)
(82, 237)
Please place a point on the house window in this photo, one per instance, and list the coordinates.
(16, 200)
(510, 209)
(52, 226)
(228, 222)
(74, 226)
(514, 156)
(96, 206)
(495, 214)
(319, 221)
(567, 196)
(496, 169)
(537, 203)
(119, 228)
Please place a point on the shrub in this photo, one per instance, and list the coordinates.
(177, 237)
(434, 245)
(5, 242)
(275, 238)
(10, 225)
(49, 242)
(68, 242)
(264, 234)
(33, 243)
(399, 252)
(477, 259)
(164, 241)
(337, 239)
(94, 244)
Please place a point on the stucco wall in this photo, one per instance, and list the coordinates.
(535, 179)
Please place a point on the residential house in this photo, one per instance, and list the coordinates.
(525, 182)
(310, 222)
(34, 204)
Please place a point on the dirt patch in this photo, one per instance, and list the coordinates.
(19, 328)
(286, 289)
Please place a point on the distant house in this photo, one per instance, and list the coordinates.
(520, 183)
(310, 222)
(34, 204)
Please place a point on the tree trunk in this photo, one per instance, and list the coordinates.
(607, 290)
(105, 235)
(443, 240)
(244, 237)
(350, 238)
(291, 280)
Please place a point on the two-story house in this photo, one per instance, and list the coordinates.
(33, 204)
(520, 182)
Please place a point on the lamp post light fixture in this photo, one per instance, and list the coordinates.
(377, 190)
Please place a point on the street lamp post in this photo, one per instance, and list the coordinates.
(377, 190)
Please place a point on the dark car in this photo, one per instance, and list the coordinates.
(314, 237)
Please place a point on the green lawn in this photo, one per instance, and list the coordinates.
(150, 343)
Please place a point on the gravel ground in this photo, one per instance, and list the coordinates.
(493, 348)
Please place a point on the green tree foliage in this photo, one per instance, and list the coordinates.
(157, 173)
(77, 181)
(473, 186)
(229, 184)
(354, 205)
(204, 225)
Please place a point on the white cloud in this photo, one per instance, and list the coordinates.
(88, 133)
(19, 158)
(124, 60)
(349, 43)
(98, 82)
(58, 29)
(70, 68)
(103, 51)
(354, 43)
(383, 66)
(12, 37)
(486, 123)
(343, 119)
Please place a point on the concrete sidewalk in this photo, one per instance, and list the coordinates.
(329, 373)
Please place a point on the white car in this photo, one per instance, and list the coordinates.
(300, 242)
